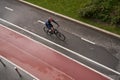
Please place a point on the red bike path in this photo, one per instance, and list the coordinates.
(41, 61)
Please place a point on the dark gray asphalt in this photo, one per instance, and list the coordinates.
(106, 50)
(8, 72)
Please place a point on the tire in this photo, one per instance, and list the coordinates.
(60, 36)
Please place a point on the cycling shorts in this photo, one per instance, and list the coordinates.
(49, 26)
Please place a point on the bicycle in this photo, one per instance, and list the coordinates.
(54, 32)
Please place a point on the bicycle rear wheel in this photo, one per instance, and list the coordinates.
(60, 36)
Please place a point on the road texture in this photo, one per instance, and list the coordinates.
(8, 71)
(85, 41)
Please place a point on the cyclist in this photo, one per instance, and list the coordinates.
(49, 25)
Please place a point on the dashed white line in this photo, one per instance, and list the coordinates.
(10, 9)
(83, 38)
(41, 21)
(87, 40)
(76, 34)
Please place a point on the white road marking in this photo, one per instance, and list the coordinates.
(83, 38)
(41, 21)
(76, 34)
(18, 67)
(10, 9)
(87, 40)
(73, 52)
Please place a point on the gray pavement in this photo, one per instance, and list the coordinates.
(8, 71)
(106, 49)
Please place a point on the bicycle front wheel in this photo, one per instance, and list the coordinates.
(60, 36)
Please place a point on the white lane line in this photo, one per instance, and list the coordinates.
(10, 9)
(41, 21)
(73, 52)
(76, 34)
(19, 67)
(83, 38)
(87, 40)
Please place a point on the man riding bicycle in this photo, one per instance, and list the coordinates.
(49, 25)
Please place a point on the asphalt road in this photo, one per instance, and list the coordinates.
(101, 47)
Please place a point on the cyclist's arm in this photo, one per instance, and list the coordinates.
(55, 22)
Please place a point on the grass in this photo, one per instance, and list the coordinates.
(71, 8)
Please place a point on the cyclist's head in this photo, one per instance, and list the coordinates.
(50, 18)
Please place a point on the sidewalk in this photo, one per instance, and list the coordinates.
(8, 71)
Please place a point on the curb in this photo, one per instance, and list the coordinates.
(74, 20)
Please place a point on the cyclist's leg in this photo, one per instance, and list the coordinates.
(50, 28)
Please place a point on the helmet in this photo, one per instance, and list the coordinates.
(50, 18)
